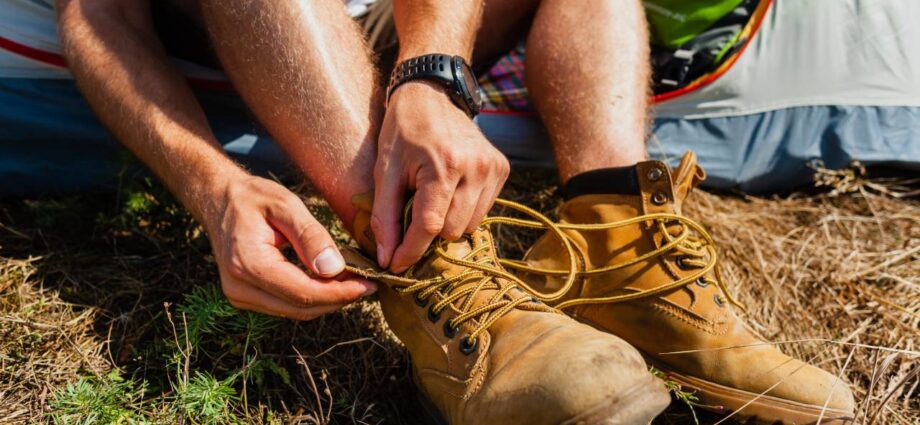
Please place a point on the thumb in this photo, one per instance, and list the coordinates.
(313, 244)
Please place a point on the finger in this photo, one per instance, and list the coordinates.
(386, 217)
(313, 244)
(483, 205)
(257, 300)
(430, 206)
(269, 271)
(462, 206)
(496, 191)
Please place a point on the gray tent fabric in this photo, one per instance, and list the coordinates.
(781, 143)
(778, 144)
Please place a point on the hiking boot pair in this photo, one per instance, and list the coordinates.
(485, 352)
(487, 347)
(650, 275)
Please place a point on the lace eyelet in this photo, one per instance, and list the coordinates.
(720, 300)
(682, 262)
(659, 198)
(450, 331)
(432, 316)
(702, 282)
(421, 302)
(468, 345)
(654, 174)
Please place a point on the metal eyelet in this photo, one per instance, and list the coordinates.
(682, 262)
(654, 174)
(468, 345)
(432, 316)
(719, 299)
(702, 282)
(421, 302)
(450, 331)
(659, 198)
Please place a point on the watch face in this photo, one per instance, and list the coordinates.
(469, 80)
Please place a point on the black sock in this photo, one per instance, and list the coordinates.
(614, 181)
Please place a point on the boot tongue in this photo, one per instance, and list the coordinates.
(433, 265)
(685, 177)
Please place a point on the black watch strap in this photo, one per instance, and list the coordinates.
(452, 72)
(432, 67)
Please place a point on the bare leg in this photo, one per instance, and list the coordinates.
(304, 68)
(587, 73)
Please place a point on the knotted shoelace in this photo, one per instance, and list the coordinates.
(479, 274)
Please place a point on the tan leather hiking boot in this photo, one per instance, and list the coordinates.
(485, 352)
(649, 275)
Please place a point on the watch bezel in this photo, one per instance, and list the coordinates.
(459, 69)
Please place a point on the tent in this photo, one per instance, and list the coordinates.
(832, 80)
(758, 88)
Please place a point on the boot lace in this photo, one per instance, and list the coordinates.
(480, 273)
(693, 246)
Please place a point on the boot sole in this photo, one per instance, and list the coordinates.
(637, 407)
(764, 409)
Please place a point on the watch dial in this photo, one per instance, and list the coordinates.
(469, 78)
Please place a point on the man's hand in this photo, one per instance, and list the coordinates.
(112, 48)
(429, 146)
(258, 218)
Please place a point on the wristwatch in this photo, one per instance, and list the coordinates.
(452, 72)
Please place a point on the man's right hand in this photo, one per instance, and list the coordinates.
(252, 221)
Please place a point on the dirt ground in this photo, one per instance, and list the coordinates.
(110, 311)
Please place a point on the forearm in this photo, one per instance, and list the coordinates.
(436, 26)
(136, 92)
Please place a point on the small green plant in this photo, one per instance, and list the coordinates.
(107, 399)
(206, 399)
(687, 397)
(206, 312)
(254, 326)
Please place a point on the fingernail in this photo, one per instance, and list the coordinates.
(369, 288)
(329, 262)
(381, 256)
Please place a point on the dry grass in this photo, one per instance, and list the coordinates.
(83, 282)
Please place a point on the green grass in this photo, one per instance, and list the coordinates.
(106, 399)
(207, 400)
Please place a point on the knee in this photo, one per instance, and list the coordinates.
(72, 14)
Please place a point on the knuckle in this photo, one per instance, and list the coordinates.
(483, 164)
(313, 234)
(305, 300)
(431, 223)
(290, 200)
(236, 267)
(453, 161)
(503, 172)
(452, 233)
